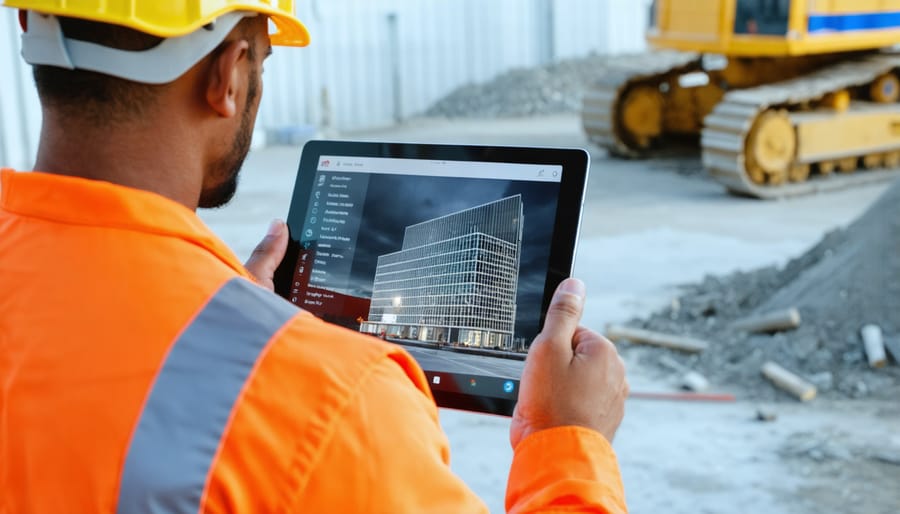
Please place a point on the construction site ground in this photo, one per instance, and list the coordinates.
(650, 227)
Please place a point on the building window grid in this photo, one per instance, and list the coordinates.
(429, 272)
(502, 279)
(438, 289)
(426, 269)
(414, 299)
(420, 275)
(416, 254)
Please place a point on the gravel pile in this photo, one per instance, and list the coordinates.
(555, 88)
(849, 279)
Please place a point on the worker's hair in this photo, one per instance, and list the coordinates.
(96, 97)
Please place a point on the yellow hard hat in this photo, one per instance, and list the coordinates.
(173, 18)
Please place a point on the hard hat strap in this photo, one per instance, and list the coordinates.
(44, 43)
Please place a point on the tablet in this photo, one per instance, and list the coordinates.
(451, 251)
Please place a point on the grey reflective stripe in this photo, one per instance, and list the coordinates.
(181, 426)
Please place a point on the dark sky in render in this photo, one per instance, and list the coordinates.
(393, 202)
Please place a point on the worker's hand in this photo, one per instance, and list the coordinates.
(572, 376)
(268, 254)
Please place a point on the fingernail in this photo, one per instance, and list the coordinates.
(573, 286)
(275, 227)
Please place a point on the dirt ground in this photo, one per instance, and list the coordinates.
(648, 227)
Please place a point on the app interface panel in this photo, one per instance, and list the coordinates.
(447, 258)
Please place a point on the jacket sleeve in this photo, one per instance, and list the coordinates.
(565, 469)
(387, 453)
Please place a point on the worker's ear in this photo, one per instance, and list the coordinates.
(226, 79)
(23, 20)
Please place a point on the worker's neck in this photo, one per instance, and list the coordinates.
(161, 161)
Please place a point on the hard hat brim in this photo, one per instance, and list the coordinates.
(290, 30)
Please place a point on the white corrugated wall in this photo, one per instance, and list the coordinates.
(373, 62)
(20, 114)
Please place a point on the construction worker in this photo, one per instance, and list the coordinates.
(143, 368)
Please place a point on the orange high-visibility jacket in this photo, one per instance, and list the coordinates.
(142, 371)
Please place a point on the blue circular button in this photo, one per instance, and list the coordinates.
(508, 386)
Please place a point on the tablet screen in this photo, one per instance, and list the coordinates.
(449, 258)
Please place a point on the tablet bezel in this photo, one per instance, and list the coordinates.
(575, 163)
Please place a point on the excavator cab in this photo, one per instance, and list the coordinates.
(765, 17)
(774, 28)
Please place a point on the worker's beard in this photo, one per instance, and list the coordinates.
(229, 166)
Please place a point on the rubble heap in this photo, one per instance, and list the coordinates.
(849, 279)
(550, 89)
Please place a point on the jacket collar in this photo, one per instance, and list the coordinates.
(79, 201)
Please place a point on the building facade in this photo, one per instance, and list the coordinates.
(455, 279)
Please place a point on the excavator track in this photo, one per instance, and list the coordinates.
(724, 138)
(602, 103)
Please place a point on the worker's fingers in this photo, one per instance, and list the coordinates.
(563, 315)
(572, 376)
(268, 254)
(587, 342)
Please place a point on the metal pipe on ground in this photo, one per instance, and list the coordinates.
(683, 397)
(873, 342)
(641, 336)
(789, 382)
(776, 321)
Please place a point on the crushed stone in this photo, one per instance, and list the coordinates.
(551, 89)
(849, 279)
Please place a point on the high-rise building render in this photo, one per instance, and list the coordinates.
(454, 280)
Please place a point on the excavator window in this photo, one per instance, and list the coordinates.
(763, 17)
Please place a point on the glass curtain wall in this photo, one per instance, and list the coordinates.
(454, 281)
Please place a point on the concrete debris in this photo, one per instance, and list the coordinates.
(889, 457)
(851, 277)
(693, 381)
(551, 89)
(823, 380)
(672, 364)
(893, 348)
(766, 414)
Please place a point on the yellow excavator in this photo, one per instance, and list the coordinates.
(788, 97)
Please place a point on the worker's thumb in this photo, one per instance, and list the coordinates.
(564, 313)
(268, 254)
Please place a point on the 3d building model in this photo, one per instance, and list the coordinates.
(454, 280)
